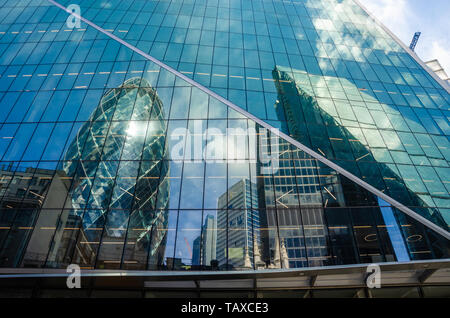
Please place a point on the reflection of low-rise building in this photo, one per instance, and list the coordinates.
(85, 251)
(23, 191)
(174, 263)
(23, 187)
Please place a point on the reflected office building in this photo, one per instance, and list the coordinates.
(251, 149)
(240, 243)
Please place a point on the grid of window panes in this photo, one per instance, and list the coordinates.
(88, 174)
(354, 70)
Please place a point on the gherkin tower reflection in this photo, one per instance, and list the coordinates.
(117, 165)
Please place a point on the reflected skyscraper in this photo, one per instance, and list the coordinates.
(338, 137)
(204, 248)
(235, 247)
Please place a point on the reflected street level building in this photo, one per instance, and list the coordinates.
(256, 148)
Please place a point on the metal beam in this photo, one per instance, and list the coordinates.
(312, 280)
(6, 273)
(425, 275)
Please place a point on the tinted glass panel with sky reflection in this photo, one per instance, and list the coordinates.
(109, 161)
(359, 78)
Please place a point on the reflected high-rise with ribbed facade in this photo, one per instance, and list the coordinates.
(104, 197)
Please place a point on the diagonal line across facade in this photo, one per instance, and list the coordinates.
(274, 130)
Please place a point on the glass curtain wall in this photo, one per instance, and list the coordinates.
(359, 78)
(109, 161)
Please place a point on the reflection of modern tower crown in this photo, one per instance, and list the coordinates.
(111, 135)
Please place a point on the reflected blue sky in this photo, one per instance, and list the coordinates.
(405, 17)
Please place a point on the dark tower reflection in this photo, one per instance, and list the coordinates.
(308, 123)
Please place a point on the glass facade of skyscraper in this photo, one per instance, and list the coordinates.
(216, 135)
